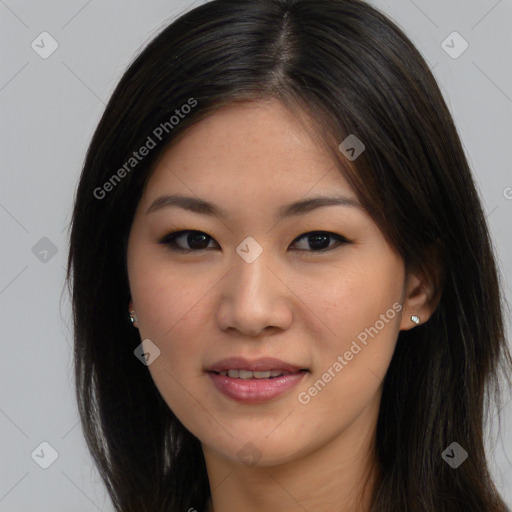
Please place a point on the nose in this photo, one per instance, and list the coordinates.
(255, 299)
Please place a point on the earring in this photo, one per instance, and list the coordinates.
(415, 319)
(133, 318)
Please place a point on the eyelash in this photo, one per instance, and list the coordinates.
(169, 240)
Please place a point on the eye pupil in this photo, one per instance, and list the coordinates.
(319, 241)
(194, 236)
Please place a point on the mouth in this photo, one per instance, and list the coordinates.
(257, 368)
(254, 382)
(248, 374)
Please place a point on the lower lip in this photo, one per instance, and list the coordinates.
(255, 391)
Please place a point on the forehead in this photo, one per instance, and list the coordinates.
(257, 150)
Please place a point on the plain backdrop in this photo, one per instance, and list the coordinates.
(49, 109)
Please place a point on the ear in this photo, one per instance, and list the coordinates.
(421, 296)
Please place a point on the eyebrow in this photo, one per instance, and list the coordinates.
(201, 206)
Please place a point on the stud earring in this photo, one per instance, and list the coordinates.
(133, 318)
(415, 319)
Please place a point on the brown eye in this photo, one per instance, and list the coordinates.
(319, 241)
(193, 241)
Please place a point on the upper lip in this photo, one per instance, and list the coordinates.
(261, 364)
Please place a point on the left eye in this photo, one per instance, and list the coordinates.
(318, 241)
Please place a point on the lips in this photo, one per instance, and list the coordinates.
(254, 382)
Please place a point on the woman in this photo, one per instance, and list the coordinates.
(285, 296)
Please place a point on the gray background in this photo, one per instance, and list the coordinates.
(49, 109)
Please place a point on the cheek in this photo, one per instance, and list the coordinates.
(361, 306)
(351, 297)
(349, 373)
(167, 297)
(174, 318)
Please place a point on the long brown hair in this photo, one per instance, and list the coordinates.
(350, 70)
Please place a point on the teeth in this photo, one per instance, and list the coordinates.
(247, 374)
(262, 375)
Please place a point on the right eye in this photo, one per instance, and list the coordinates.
(197, 240)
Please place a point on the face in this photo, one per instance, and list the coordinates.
(318, 290)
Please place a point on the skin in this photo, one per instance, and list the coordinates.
(303, 306)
